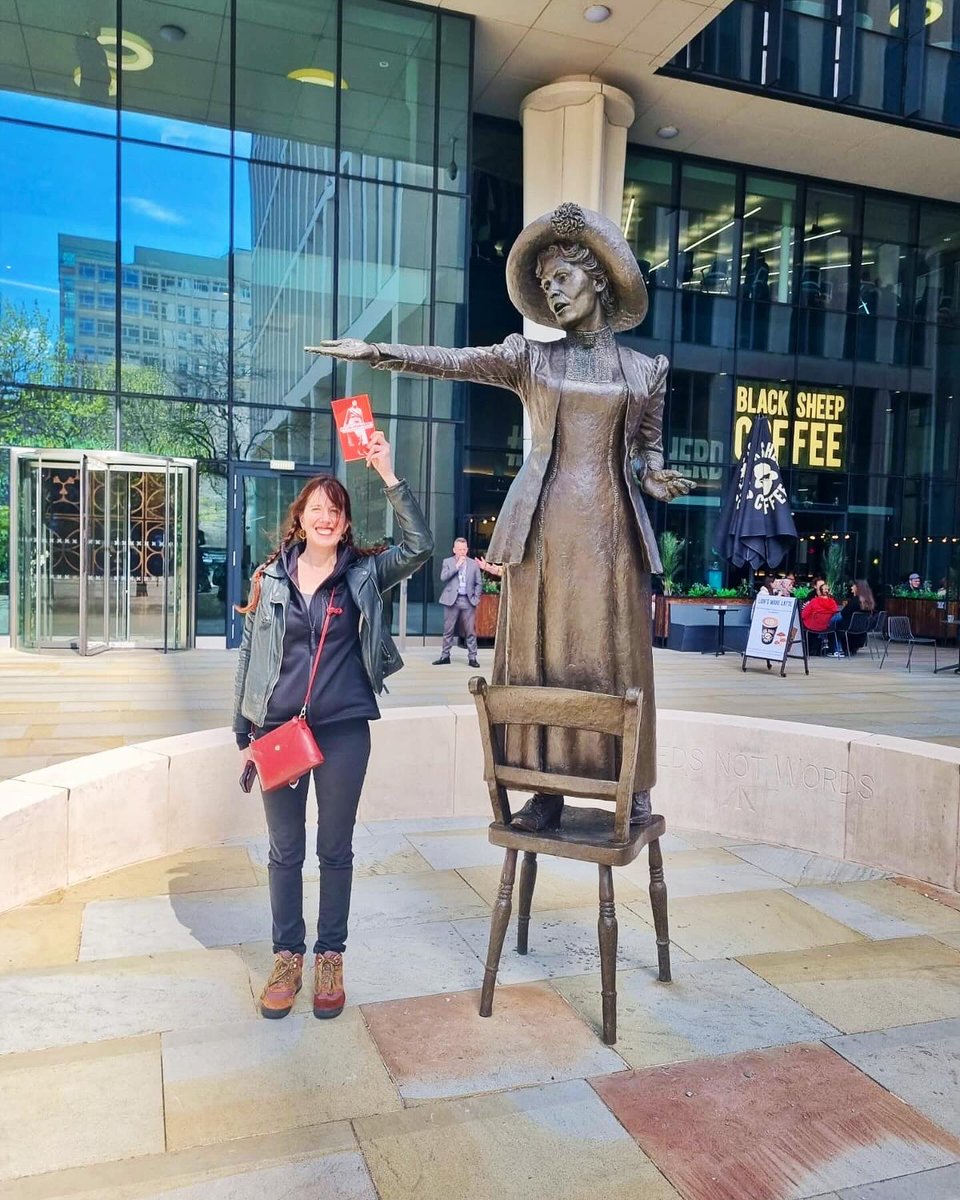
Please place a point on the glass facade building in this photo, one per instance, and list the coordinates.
(201, 192)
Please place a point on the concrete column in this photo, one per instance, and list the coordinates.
(574, 148)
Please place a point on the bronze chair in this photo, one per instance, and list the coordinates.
(587, 834)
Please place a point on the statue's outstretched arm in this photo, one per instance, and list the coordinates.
(647, 451)
(503, 365)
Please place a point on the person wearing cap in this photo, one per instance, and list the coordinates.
(573, 536)
(914, 582)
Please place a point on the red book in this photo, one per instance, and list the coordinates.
(355, 426)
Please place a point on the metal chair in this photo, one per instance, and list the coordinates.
(876, 632)
(859, 627)
(898, 630)
(586, 834)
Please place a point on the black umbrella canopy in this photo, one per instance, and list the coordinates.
(756, 526)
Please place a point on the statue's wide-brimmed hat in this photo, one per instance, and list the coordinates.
(571, 223)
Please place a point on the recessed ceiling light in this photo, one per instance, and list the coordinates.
(173, 33)
(134, 52)
(317, 75)
(383, 63)
(933, 12)
(667, 131)
(596, 13)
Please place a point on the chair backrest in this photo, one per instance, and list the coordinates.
(860, 623)
(877, 623)
(898, 629)
(562, 708)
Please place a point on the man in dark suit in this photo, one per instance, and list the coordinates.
(460, 596)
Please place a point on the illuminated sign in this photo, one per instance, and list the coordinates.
(809, 424)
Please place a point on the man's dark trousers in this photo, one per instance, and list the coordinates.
(461, 613)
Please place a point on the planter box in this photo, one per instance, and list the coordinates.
(663, 604)
(487, 611)
(927, 617)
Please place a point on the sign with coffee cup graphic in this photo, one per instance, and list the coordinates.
(774, 627)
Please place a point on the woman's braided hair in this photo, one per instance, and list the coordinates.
(338, 496)
(584, 258)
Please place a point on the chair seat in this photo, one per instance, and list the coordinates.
(586, 834)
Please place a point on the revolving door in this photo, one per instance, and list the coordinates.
(102, 551)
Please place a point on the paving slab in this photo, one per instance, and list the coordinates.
(536, 1143)
(258, 1077)
(322, 1161)
(373, 854)
(67, 1102)
(561, 883)
(42, 936)
(942, 1183)
(747, 923)
(438, 1046)
(918, 1063)
(117, 998)
(892, 903)
(409, 960)
(930, 891)
(456, 848)
(788, 1122)
(801, 867)
(710, 1008)
(869, 985)
(202, 870)
(701, 873)
(565, 942)
(843, 904)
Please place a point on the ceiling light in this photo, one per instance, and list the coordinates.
(172, 33)
(383, 63)
(934, 12)
(317, 75)
(667, 131)
(597, 13)
(135, 52)
(111, 90)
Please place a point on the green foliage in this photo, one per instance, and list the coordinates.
(727, 593)
(700, 590)
(4, 541)
(834, 567)
(802, 593)
(903, 592)
(491, 587)
(743, 589)
(671, 555)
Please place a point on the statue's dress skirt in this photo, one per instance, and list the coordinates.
(576, 612)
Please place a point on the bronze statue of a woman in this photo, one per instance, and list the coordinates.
(573, 535)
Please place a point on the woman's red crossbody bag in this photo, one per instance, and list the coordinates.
(291, 751)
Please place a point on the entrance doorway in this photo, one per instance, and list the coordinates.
(102, 551)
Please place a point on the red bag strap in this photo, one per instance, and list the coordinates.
(331, 612)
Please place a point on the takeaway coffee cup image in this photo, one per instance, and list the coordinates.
(768, 629)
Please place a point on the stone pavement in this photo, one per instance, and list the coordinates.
(56, 706)
(809, 1045)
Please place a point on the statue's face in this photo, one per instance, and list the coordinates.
(571, 294)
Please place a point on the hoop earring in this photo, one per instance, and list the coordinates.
(301, 534)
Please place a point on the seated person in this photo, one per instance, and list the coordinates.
(821, 615)
(860, 600)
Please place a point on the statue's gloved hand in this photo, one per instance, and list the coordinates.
(350, 348)
(665, 484)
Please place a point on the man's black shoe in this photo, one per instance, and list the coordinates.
(472, 662)
(442, 661)
(539, 813)
(640, 807)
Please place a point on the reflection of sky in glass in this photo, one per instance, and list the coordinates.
(177, 200)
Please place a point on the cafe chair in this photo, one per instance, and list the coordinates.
(859, 627)
(899, 631)
(877, 634)
(586, 834)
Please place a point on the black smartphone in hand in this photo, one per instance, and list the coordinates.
(249, 776)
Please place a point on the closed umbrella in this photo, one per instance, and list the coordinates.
(756, 526)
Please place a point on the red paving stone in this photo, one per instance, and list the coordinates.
(775, 1124)
(930, 891)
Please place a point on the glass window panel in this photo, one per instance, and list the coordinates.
(278, 118)
(878, 72)
(177, 91)
(938, 264)
(941, 86)
(732, 45)
(809, 56)
(705, 320)
(212, 550)
(184, 429)
(449, 316)
(825, 279)
(707, 229)
(283, 284)
(175, 223)
(58, 63)
(50, 244)
(388, 108)
(880, 15)
(698, 438)
(769, 236)
(822, 490)
(872, 442)
(302, 435)
(443, 505)
(40, 416)
(943, 31)
(650, 218)
(454, 103)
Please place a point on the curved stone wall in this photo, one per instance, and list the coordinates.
(884, 802)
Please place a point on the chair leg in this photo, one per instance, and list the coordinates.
(528, 881)
(498, 928)
(909, 656)
(658, 902)
(607, 929)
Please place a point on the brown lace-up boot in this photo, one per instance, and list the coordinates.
(281, 988)
(328, 994)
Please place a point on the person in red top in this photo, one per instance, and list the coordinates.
(821, 614)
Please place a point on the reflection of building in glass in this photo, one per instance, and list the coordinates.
(174, 310)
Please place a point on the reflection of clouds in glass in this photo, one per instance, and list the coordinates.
(153, 211)
(30, 287)
(197, 137)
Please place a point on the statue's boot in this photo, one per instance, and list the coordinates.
(539, 813)
(640, 807)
